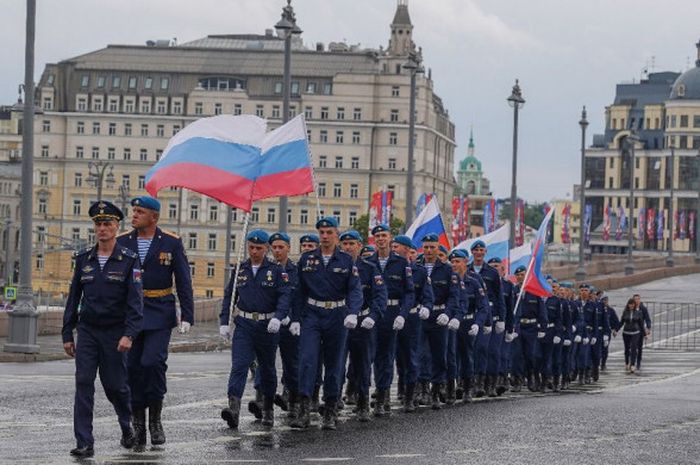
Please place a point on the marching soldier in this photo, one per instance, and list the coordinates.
(397, 274)
(550, 344)
(507, 289)
(105, 305)
(533, 324)
(162, 259)
(262, 300)
(614, 326)
(588, 332)
(329, 296)
(308, 242)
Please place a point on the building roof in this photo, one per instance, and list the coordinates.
(464, 164)
(401, 17)
(243, 42)
(687, 86)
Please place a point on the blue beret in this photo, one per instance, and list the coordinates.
(381, 228)
(146, 202)
(367, 248)
(443, 249)
(566, 284)
(478, 243)
(404, 240)
(554, 281)
(104, 211)
(351, 235)
(258, 236)
(309, 238)
(494, 260)
(520, 269)
(279, 236)
(327, 222)
(430, 237)
(584, 286)
(457, 253)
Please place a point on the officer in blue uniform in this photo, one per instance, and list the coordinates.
(329, 297)
(105, 305)
(361, 339)
(603, 333)
(490, 340)
(588, 332)
(263, 296)
(567, 338)
(308, 242)
(614, 327)
(163, 258)
(472, 315)
(443, 318)
(409, 339)
(367, 251)
(508, 301)
(550, 344)
(397, 274)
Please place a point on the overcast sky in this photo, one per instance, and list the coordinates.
(566, 53)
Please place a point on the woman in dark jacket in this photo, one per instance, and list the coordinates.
(632, 323)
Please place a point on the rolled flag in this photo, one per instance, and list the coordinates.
(587, 217)
(496, 243)
(621, 223)
(429, 221)
(651, 223)
(691, 225)
(660, 223)
(566, 224)
(606, 222)
(683, 226)
(535, 281)
(641, 223)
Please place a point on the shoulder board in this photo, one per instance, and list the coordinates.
(129, 253)
(170, 233)
(82, 251)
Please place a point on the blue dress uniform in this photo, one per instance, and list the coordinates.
(397, 274)
(475, 308)
(446, 292)
(587, 331)
(104, 304)
(533, 319)
(508, 289)
(566, 343)
(325, 295)
(550, 344)
(603, 329)
(147, 360)
(260, 297)
(614, 323)
(577, 330)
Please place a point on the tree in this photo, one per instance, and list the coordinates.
(362, 226)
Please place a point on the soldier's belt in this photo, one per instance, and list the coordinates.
(152, 293)
(589, 327)
(495, 318)
(439, 307)
(528, 321)
(600, 328)
(364, 312)
(392, 302)
(550, 325)
(255, 316)
(469, 316)
(326, 303)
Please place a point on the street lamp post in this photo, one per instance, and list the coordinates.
(413, 65)
(629, 266)
(286, 28)
(516, 101)
(581, 270)
(672, 160)
(124, 195)
(100, 173)
(23, 319)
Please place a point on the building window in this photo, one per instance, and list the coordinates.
(142, 182)
(164, 83)
(129, 106)
(395, 91)
(357, 114)
(43, 178)
(48, 103)
(126, 181)
(392, 163)
(84, 80)
(684, 121)
(233, 241)
(177, 108)
(322, 161)
(145, 106)
(211, 242)
(159, 153)
(96, 128)
(40, 262)
(327, 88)
(82, 104)
(355, 163)
(46, 126)
(289, 216)
(336, 214)
(260, 111)
(394, 116)
(42, 206)
(192, 241)
(304, 217)
(213, 212)
(95, 153)
(354, 191)
(321, 189)
(113, 105)
(172, 211)
(337, 190)
(324, 112)
(194, 212)
(352, 218)
(237, 109)
(148, 83)
(270, 215)
(340, 114)
(339, 137)
(91, 236)
(308, 112)
(310, 87)
(339, 162)
(323, 136)
(97, 105)
(356, 137)
(44, 151)
(77, 207)
(192, 269)
(132, 82)
(210, 270)
(176, 129)
(308, 136)
(160, 130)
(278, 87)
(78, 180)
(218, 108)
(275, 111)
(393, 138)
(198, 108)
(112, 129)
(255, 215)
(75, 234)
(144, 130)
(79, 152)
(127, 129)
(127, 154)
(295, 88)
(110, 153)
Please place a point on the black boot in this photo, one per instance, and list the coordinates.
(350, 394)
(588, 379)
(379, 403)
(580, 378)
(450, 395)
(128, 439)
(424, 393)
(362, 408)
(330, 415)
(83, 452)
(255, 406)
(232, 412)
(517, 383)
(387, 402)
(435, 396)
(268, 418)
(596, 373)
(408, 404)
(138, 419)
(459, 391)
(155, 426)
(491, 386)
(501, 385)
(303, 420)
(282, 400)
(555, 384)
(293, 405)
(550, 383)
(531, 382)
(542, 379)
(479, 390)
(401, 389)
(315, 403)
(467, 384)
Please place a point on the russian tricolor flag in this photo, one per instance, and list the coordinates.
(519, 256)
(535, 283)
(234, 160)
(496, 243)
(429, 221)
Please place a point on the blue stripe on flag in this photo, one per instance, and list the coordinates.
(433, 225)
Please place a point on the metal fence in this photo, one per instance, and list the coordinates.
(675, 326)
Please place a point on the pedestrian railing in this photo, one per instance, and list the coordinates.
(675, 326)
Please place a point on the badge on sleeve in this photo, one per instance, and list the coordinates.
(378, 280)
(285, 277)
(355, 272)
(137, 275)
(454, 279)
(409, 272)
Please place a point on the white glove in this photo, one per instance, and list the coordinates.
(593, 341)
(606, 338)
(500, 327)
(273, 327)
(556, 340)
(424, 313)
(474, 330)
(442, 319)
(515, 335)
(577, 339)
(367, 323)
(540, 334)
(567, 342)
(184, 327)
(606, 343)
(398, 323)
(453, 324)
(295, 328)
(573, 328)
(285, 321)
(487, 330)
(350, 321)
(584, 341)
(225, 331)
(509, 337)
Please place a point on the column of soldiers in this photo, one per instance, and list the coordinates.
(344, 314)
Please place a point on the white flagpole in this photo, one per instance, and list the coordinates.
(239, 256)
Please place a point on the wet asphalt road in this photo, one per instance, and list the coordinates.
(652, 418)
